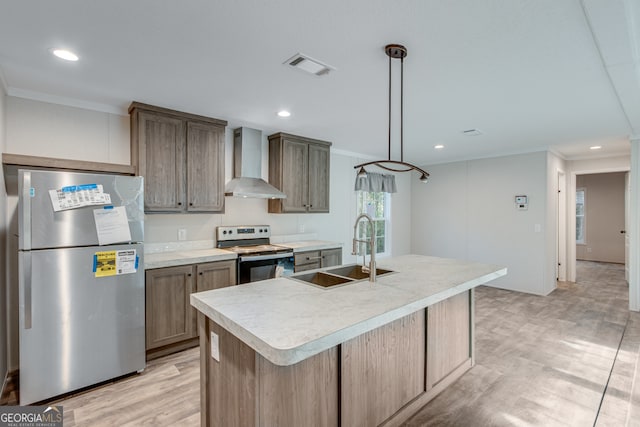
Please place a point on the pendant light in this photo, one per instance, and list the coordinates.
(394, 51)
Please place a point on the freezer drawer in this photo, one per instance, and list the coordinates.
(40, 227)
(75, 329)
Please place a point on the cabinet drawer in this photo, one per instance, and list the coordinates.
(305, 267)
(307, 258)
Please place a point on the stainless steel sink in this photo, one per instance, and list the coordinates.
(337, 276)
(322, 279)
(355, 271)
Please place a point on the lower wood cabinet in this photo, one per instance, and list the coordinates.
(168, 311)
(170, 319)
(317, 259)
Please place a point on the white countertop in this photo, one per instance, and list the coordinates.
(184, 256)
(287, 321)
(310, 245)
(194, 256)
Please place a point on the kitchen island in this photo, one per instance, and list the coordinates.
(286, 353)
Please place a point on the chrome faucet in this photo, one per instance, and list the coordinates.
(372, 244)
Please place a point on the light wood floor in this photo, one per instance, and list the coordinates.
(549, 361)
(540, 361)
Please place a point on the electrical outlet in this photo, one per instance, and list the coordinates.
(589, 250)
(300, 228)
(182, 234)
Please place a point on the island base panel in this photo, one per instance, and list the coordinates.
(383, 370)
(245, 389)
(382, 377)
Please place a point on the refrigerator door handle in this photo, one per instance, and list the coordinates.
(28, 301)
(25, 236)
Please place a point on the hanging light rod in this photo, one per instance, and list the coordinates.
(394, 51)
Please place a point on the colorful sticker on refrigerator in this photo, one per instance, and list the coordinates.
(112, 225)
(112, 263)
(104, 263)
(77, 196)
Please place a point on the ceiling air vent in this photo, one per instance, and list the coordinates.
(310, 65)
(472, 132)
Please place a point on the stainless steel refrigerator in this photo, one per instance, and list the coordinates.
(81, 280)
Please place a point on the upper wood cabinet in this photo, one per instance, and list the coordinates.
(181, 157)
(299, 167)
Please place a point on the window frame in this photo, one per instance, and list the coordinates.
(386, 218)
(583, 241)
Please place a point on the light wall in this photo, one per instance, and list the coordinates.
(3, 243)
(468, 211)
(49, 130)
(605, 194)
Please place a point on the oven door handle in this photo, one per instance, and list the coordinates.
(268, 256)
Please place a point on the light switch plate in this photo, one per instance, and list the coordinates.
(182, 234)
(215, 347)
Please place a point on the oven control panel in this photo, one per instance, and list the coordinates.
(243, 232)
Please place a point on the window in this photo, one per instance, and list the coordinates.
(376, 205)
(580, 219)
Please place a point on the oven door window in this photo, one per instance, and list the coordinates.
(253, 271)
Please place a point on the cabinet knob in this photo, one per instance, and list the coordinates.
(200, 273)
(179, 203)
(189, 274)
(190, 204)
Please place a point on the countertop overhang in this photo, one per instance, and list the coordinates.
(287, 321)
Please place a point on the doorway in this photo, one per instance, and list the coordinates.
(600, 217)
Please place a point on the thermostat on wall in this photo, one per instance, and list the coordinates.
(522, 203)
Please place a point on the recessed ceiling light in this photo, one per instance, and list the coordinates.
(595, 147)
(438, 147)
(67, 55)
(284, 113)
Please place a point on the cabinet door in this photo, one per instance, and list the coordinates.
(448, 337)
(161, 160)
(295, 170)
(319, 161)
(168, 309)
(205, 167)
(215, 275)
(331, 257)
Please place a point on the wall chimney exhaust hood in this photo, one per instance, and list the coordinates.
(247, 168)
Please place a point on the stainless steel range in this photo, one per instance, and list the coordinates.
(258, 259)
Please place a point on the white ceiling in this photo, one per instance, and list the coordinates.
(531, 74)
